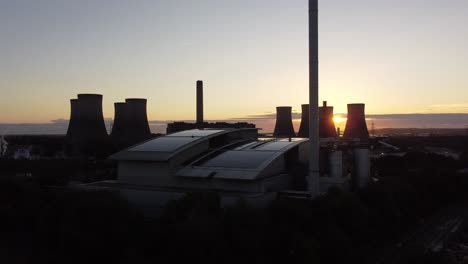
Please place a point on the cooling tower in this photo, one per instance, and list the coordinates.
(118, 128)
(200, 102)
(86, 134)
(74, 118)
(284, 126)
(356, 127)
(326, 124)
(136, 120)
(304, 128)
(91, 120)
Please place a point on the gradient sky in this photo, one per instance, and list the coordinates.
(397, 56)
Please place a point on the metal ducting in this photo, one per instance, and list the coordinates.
(356, 127)
(326, 123)
(284, 125)
(136, 120)
(200, 103)
(304, 128)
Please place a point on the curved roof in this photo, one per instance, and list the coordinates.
(252, 160)
(166, 147)
(232, 158)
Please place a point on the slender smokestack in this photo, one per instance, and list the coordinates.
(199, 102)
(313, 177)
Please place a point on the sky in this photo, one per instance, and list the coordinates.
(396, 56)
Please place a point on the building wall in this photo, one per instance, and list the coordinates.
(144, 173)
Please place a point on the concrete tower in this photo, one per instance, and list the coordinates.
(356, 127)
(304, 128)
(314, 173)
(136, 120)
(200, 103)
(118, 128)
(91, 120)
(284, 126)
(326, 123)
(74, 118)
(86, 134)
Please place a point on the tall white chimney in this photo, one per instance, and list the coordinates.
(313, 177)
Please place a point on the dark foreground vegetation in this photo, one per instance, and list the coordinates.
(46, 225)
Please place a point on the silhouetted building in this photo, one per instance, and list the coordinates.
(233, 162)
(200, 123)
(304, 128)
(356, 127)
(326, 123)
(86, 134)
(284, 126)
(119, 124)
(182, 126)
(130, 123)
(136, 125)
(74, 118)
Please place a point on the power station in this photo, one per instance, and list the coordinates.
(233, 159)
(200, 122)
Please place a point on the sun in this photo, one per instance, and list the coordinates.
(339, 119)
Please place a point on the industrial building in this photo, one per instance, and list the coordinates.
(227, 160)
(237, 163)
(200, 122)
(234, 162)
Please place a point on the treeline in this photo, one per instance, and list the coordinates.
(57, 226)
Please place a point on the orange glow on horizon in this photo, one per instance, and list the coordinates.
(339, 119)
